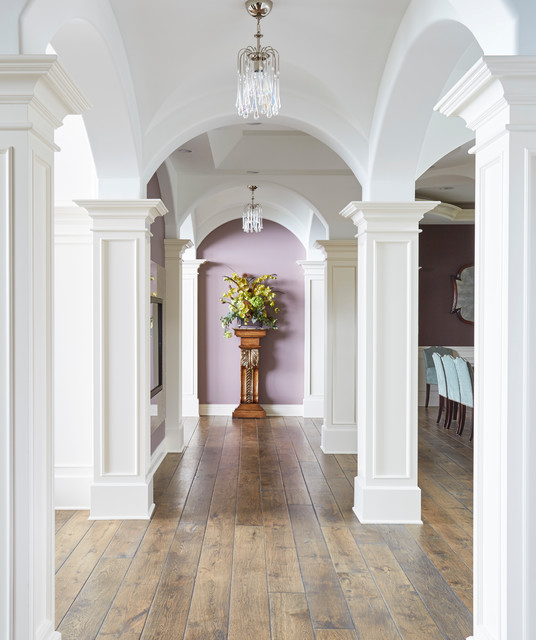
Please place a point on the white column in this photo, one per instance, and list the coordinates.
(339, 430)
(497, 99)
(190, 314)
(73, 357)
(387, 328)
(122, 485)
(173, 343)
(35, 96)
(313, 397)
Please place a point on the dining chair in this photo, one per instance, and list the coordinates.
(429, 366)
(453, 388)
(465, 377)
(441, 385)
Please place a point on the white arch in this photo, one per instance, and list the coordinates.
(427, 48)
(87, 39)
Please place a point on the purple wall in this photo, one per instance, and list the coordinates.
(443, 249)
(159, 226)
(274, 250)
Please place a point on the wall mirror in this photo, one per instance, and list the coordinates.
(463, 302)
(156, 345)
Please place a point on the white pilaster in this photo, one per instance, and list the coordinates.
(122, 484)
(497, 99)
(339, 430)
(313, 398)
(190, 314)
(73, 357)
(35, 96)
(173, 343)
(387, 319)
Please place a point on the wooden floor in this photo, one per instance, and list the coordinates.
(254, 538)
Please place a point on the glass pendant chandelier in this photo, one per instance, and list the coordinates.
(258, 72)
(252, 216)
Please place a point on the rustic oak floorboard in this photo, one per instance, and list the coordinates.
(74, 572)
(62, 516)
(407, 609)
(455, 572)
(370, 613)
(249, 612)
(448, 612)
(127, 540)
(456, 537)
(253, 516)
(336, 634)
(85, 617)
(127, 615)
(169, 610)
(68, 537)
(289, 617)
(327, 604)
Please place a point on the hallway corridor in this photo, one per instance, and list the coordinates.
(254, 538)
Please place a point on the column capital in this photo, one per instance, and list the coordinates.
(191, 267)
(174, 248)
(41, 82)
(492, 84)
(387, 217)
(122, 215)
(338, 249)
(312, 267)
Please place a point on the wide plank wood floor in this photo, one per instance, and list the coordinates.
(254, 538)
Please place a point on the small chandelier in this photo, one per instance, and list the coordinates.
(258, 72)
(252, 216)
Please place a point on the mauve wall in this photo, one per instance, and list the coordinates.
(443, 249)
(158, 227)
(274, 250)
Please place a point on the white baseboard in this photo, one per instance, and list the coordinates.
(339, 439)
(46, 631)
(175, 437)
(72, 487)
(158, 457)
(271, 409)
(313, 407)
(190, 407)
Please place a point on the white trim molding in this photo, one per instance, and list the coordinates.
(35, 96)
(122, 484)
(339, 430)
(313, 397)
(386, 488)
(497, 99)
(174, 250)
(190, 315)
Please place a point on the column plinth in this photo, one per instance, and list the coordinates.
(250, 345)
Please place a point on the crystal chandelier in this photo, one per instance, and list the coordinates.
(258, 72)
(252, 216)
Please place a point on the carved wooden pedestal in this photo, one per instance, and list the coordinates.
(250, 344)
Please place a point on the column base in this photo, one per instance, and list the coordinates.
(249, 411)
(190, 407)
(387, 504)
(313, 406)
(175, 437)
(122, 501)
(339, 439)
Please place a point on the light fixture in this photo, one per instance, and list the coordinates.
(258, 71)
(252, 216)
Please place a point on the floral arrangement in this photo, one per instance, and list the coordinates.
(249, 300)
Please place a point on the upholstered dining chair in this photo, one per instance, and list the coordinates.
(430, 370)
(441, 385)
(465, 378)
(453, 388)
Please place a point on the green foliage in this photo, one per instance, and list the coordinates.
(249, 300)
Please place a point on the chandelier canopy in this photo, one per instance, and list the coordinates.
(252, 216)
(258, 71)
